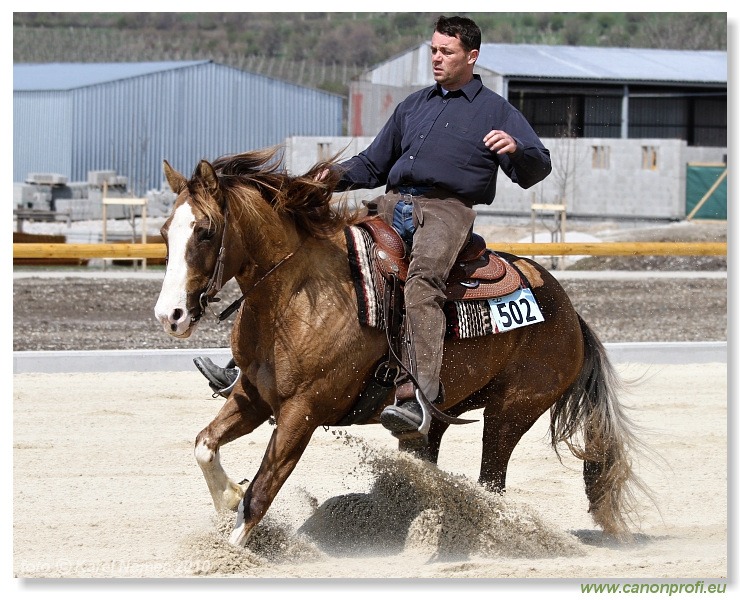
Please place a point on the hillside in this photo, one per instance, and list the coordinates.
(325, 50)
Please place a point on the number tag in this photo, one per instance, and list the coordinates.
(515, 310)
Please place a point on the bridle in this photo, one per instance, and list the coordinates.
(215, 283)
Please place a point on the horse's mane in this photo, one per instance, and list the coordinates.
(305, 199)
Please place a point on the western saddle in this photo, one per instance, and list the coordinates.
(478, 273)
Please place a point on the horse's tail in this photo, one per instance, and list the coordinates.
(589, 419)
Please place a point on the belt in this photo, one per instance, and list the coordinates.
(414, 190)
(409, 191)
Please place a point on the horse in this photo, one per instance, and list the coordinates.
(305, 357)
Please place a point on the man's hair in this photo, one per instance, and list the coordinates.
(462, 28)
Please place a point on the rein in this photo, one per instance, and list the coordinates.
(227, 312)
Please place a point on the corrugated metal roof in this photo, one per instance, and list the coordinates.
(604, 64)
(69, 76)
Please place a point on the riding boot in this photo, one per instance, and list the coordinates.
(220, 379)
(403, 420)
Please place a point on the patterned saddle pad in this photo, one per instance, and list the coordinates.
(465, 318)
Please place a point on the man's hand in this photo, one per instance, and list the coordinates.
(499, 142)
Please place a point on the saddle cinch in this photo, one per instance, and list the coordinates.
(478, 273)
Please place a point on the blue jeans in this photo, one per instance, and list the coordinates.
(403, 221)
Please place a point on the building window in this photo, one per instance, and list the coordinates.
(650, 158)
(324, 151)
(600, 157)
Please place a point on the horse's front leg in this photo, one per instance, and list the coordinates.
(241, 414)
(293, 431)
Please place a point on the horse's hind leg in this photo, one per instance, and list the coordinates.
(437, 429)
(502, 430)
(240, 415)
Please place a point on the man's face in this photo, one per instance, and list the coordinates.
(451, 64)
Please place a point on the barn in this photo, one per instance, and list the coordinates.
(73, 119)
(574, 91)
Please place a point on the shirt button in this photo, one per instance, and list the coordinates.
(422, 136)
(411, 157)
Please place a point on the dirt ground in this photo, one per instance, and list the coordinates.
(105, 484)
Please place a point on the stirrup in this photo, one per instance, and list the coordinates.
(217, 377)
(227, 390)
(402, 420)
(426, 418)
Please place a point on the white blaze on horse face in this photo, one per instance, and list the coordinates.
(171, 309)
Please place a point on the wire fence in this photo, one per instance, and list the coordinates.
(38, 45)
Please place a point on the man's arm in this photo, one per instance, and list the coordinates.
(521, 155)
(370, 168)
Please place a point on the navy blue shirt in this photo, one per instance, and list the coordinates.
(435, 139)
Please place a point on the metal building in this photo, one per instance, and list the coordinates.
(574, 91)
(75, 118)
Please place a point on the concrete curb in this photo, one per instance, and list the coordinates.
(107, 361)
(667, 353)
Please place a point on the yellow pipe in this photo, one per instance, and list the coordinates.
(89, 250)
(522, 249)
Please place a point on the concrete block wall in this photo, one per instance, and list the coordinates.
(612, 177)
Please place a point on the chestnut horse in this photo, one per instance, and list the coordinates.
(305, 358)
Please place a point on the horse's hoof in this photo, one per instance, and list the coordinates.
(492, 488)
(233, 496)
(240, 533)
(239, 537)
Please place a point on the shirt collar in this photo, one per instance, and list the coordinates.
(469, 90)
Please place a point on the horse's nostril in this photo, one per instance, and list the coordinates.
(177, 314)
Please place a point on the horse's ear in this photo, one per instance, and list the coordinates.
(176, 180)
(207, 174)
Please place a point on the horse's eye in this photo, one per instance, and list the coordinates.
(206, 235)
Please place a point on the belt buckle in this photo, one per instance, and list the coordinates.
(414, 190)
(406, 197)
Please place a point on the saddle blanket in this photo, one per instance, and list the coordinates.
(465, 318)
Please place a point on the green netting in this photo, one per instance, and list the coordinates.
(699, 179)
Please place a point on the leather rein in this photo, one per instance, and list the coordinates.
(216, 281)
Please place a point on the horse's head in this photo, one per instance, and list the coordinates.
(194, 234)
(264, 213)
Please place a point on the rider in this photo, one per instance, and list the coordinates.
(438, 156)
